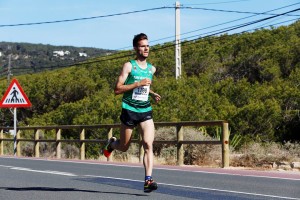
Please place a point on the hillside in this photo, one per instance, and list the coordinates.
(32, 58)
(249, 79)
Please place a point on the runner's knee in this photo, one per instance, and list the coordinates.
(123, 148)
(147, 145)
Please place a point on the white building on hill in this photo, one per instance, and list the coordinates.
(82, 54)
(61, 53)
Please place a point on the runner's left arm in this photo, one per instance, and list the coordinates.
(154, 95)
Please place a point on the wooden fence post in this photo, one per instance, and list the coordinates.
(180, 150)
(109, 135)
(37, 143)
(58, 144)
(18, 143)
(225, 145)
(82, 145)
(1, 142)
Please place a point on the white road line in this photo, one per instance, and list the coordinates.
(6, 166)
(39, 171)
(162, 168)
(200, 188)
(224, 173)
(181, 170)
(44, 172)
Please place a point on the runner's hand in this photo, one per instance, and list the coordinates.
(145, 82)
(156, 97)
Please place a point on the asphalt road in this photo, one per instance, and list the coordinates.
(36, 179)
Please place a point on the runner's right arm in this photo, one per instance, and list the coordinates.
(120, 87)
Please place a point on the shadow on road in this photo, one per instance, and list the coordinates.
(63, 190)
(173, 190)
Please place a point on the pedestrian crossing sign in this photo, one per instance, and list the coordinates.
(15, 97)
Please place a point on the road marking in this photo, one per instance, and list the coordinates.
(6, 166)
(39, 171)
(162, 168)
(231, 174)
(200, 188)
(185, 170)
(43, 171)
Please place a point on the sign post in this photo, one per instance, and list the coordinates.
(15, 97)
(15, 131)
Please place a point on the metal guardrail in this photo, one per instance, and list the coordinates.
(179, 142)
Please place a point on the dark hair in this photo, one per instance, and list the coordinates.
(139, 37)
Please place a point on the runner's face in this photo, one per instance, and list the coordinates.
(143, 49)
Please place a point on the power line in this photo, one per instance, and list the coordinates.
(151, 9)
(265, 24)
(252, 29)
(240, 19)
(233, 11)
(112, 15)
(219, 32)
(83, 18)
(138, 11)
(222, 2)
(249, 23)
(254, 14)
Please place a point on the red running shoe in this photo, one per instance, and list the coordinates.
(107, 148)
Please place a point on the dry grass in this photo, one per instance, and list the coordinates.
(265, 155)
(203, 155)
(131, 155)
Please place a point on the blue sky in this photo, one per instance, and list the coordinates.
(116, 32)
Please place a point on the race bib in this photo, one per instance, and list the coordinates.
(141, 93)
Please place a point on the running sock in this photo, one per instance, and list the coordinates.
(148, 177)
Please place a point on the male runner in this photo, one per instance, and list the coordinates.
(134, 83)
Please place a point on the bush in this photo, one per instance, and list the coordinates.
(209, 155)
(260, 154)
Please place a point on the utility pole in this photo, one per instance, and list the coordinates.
(9, 69)
(177, 40)
(9, 66)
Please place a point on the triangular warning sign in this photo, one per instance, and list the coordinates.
(14, 96)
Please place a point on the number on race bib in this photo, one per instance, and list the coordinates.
(141, 93)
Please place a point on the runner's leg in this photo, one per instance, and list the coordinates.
(125, 138)
(147, 131)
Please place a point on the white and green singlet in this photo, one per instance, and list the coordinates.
(137, 100)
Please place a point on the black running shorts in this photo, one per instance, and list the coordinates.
(132, 119)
